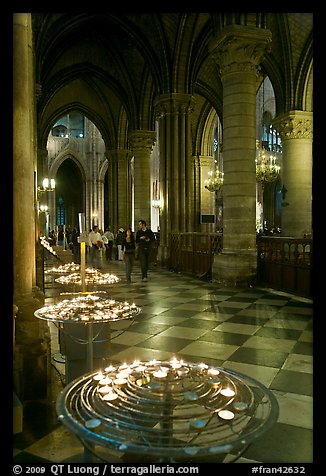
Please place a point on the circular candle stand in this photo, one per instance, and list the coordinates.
(166, 411)
(64, 268)
(71, 274)
(92, 277)
(88, 309)
(79, 278)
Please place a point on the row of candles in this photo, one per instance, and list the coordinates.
(92, 275)
(44, 242)
(88, 308)
(113, 378)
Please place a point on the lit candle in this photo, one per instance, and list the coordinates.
(104, 389)
(175, 363)
(182, 372)
(98, 376)
(227, 392)
(141, 368)
(213, 371)
(110, 368)
(120, 381)
(160, 374)
(110, 396)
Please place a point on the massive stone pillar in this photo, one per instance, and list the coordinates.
(30, 349)
(296, 130)
(176, 167)
(141, 144)
(24, 194)
(238, 51)
(119, 193)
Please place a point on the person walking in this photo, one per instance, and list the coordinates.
(144, 239)
(128, 247)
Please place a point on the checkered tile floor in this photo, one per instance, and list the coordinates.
(262, 333)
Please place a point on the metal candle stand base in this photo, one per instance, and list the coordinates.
(166, 411)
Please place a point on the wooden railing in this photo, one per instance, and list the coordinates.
(194, 252)
(285, 263)
(282, 263)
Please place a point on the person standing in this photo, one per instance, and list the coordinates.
(95, 244)
(144, 239)
(128, 247)
(118, 242)
(109, 245)
(75, 245)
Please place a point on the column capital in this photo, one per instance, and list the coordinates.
(240, 48)
(294, 125)
(205, 160)
(117, 155)
(142, 140)
(174, 103)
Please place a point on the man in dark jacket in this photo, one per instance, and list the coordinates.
(144, 240)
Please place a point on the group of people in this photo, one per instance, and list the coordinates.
(127, 245)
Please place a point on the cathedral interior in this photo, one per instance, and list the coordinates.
(201, 124)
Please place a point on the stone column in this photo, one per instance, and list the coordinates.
(141, 144)
(30, 349)
(296, 130)
(119, 183)
(176, 166)
(238, 51)
(24, 185)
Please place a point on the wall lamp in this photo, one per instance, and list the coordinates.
(157, 203)
(48, 185)
(43, 208)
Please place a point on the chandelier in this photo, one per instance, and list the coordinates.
(267, 168)
(215, 180)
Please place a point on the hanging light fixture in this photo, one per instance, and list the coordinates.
(215, 179)
(267, 168)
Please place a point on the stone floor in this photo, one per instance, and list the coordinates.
(261, 333)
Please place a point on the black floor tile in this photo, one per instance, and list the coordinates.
(148, 327)
(39, 418)
(272, 296)
(279, 333)
(241, 299)
(294, 445)
(293, 382)
(179, 313)
(168, 344)
(260, 307)
(289, 316)
(302, 304)
(303, 348)
(225, 309)
(199, 324)
(25, 457)
(254, 320)
(266, 358)
(230, 338)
